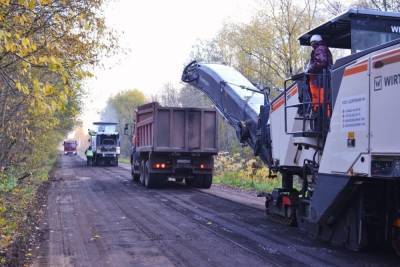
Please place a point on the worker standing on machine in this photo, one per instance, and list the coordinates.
(321, 59)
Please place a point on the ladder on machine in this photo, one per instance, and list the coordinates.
(313, 115)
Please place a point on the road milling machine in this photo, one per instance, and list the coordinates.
(347, 152)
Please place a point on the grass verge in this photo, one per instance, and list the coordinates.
(21, 207)
(236, 179)
(124, 160)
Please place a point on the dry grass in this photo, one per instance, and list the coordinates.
(17, 198)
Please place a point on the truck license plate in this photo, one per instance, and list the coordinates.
(184, 161)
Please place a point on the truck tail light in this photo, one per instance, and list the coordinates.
(396, 223)
(202, 166)
(160, 165)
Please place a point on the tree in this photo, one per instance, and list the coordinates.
(210, 51)
(46, 50)
(121, 108)
(334, 7)
(384, 5)
(266, 49)
(191, 97)
(169, 95)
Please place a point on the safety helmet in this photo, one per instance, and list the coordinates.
(316, 38)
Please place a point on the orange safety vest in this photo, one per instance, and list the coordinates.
(317, 95)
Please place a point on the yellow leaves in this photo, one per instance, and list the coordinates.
(35, 85)
(25, 67)
(5, 2)
(14, 43)
(45, 2)
(54, 63)
(31, 4)
(57, 18)
(46, 53)
(64, 79)
(38, 90)
(26, 47)
(9, 46)
(22, 88)
(48, 89)
(25, 42)
(81, 74)
(42, 60)
(21, 19)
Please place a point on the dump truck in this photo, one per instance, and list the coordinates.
(346, 152)
(70, 147)
(105, 143)
(173, 142)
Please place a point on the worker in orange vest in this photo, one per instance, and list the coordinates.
(321, 58)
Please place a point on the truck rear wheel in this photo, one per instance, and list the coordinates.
(197, 181)
(142, 172)
(207, 181)
(189, 182)
(135, 177)
(150, 179)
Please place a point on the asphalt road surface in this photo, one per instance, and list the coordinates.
(98, 217)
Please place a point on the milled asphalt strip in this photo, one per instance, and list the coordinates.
(327, 256)
(203, 223)
(239, 231)
(242, 198)
(155, 217)
(292, 244)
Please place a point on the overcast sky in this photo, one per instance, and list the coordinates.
(158, 36)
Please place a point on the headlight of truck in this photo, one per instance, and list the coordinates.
(118, 150)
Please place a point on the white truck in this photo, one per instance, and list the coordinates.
(105, 143)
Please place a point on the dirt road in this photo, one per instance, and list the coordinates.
(98, 217)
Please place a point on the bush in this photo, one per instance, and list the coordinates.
(244, 172)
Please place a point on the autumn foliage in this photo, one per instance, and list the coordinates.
(46, 50)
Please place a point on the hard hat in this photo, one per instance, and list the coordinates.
(316, 38)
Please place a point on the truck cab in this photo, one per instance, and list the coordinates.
(105, 143)
(70, 147)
